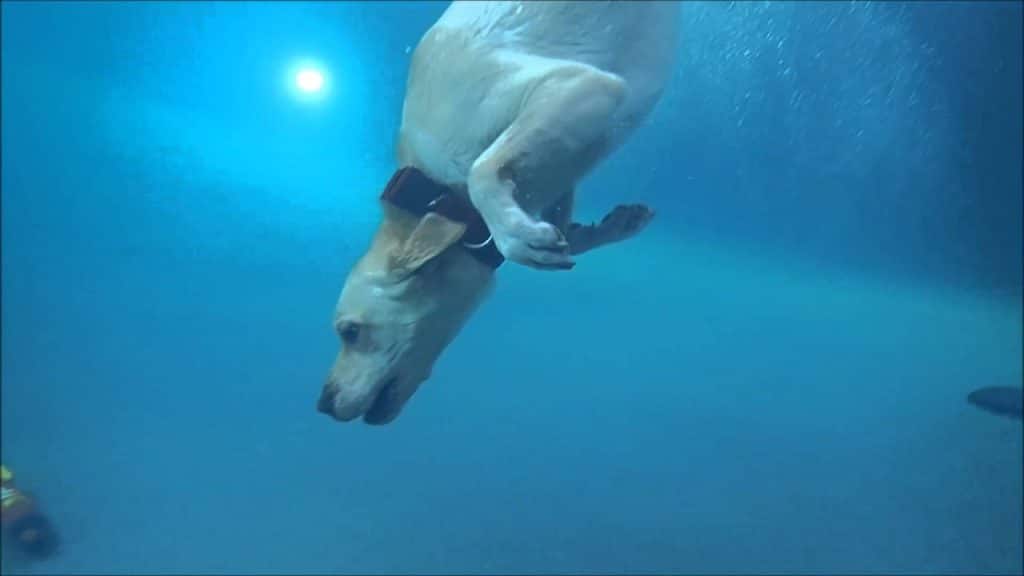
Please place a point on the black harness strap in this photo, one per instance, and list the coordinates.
(413, 191)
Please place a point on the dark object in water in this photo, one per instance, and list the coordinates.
(22, 523)
(1003, 400)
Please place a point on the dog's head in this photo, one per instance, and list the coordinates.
(401, 305)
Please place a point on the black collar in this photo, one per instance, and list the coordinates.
(412, 190)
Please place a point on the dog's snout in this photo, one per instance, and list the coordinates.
(326, 402)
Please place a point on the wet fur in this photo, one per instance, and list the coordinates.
(510, 104)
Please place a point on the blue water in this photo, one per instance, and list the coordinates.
(771, 378)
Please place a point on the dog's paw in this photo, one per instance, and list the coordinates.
(624, 221)
(533, 243)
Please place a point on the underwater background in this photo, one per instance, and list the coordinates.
(771, 378)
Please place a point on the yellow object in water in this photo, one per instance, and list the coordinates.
(8, 495)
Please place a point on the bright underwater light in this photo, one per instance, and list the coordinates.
(309, 80)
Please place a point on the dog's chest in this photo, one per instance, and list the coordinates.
(459, 99)
(472, 71)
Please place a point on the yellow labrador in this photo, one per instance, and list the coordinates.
(508, 105)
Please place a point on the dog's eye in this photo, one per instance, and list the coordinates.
(349, 332)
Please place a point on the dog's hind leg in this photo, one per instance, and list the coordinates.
(559, 134)
(623, 222)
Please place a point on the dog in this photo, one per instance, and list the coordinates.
(507, 106)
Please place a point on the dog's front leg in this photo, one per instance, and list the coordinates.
(554, 140)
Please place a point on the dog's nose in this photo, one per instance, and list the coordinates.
(326, 402)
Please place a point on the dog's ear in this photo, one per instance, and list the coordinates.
(432, 235)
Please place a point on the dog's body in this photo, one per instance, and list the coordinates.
(509, 104)
(540, 89)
